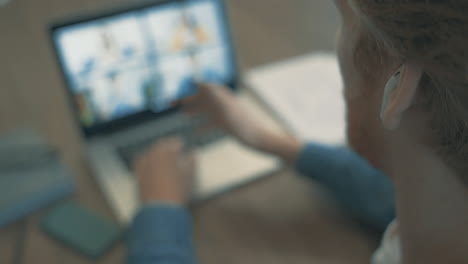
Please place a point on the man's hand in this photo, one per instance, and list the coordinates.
(165, 173)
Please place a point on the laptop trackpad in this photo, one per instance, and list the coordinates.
(227, 164)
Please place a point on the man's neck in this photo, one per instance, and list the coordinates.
(432, 208)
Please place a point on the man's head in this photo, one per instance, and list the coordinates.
(422, 44)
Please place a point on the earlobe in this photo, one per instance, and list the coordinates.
(399, 94)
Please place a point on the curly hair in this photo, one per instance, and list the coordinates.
(434, 32)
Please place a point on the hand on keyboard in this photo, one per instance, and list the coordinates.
(165, 173)
(184, 128)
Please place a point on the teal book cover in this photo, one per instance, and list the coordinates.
(31, 176)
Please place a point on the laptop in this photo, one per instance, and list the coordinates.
(124, 69)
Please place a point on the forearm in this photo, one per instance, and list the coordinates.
(278, 144)
(361, 189)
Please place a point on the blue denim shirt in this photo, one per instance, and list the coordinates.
(162, 233)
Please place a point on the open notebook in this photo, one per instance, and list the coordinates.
(305, 93)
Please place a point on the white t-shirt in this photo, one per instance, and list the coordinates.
(390, 249)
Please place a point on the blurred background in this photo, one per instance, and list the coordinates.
(242, 227)
(264, 31)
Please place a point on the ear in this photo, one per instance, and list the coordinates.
(399, 94)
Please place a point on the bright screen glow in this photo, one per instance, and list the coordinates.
(128, 63)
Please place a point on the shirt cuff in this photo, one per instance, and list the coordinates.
(315, 160)
(160, 224)
(160, 204)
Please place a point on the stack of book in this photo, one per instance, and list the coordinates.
(31, 175)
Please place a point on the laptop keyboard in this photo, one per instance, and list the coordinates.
(187, 130)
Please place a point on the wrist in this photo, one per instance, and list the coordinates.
(282, 145)
(168, 198)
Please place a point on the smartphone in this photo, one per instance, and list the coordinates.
(81, 229)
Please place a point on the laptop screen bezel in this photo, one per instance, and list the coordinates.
(145, 115)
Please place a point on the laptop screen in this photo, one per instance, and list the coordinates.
(143, 59)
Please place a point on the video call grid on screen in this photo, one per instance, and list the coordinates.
(130, 62)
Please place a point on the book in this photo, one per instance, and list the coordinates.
(31, 176)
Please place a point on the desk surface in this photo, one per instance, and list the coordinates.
(278, 220)
(281, 219)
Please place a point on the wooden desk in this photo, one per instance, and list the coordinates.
(279, 220)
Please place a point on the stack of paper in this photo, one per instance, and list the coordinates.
(306, 95)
